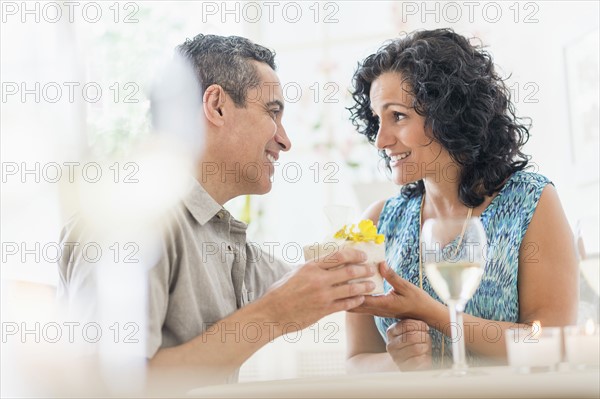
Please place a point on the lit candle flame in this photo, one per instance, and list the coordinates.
(536, 329)
(589, 327)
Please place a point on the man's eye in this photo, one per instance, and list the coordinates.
(275, 113)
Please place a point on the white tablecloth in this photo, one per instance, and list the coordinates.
(497, 382)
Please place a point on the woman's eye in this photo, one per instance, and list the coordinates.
(398, 116)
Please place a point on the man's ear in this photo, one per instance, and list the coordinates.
(213, 102)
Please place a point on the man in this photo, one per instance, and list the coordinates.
(199, 302)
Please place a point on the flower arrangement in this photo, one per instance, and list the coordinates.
(367, 232)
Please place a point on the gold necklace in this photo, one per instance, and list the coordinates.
(462, 234)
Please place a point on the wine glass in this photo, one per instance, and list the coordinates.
(452, 252)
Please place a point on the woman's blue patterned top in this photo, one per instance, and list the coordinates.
(505, 221)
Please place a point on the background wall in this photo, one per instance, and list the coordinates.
(547, 50)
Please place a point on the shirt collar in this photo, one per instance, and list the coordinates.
(200, 204)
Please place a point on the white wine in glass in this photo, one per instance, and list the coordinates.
(452, 252)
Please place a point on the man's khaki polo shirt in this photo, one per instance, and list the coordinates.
(206, 271)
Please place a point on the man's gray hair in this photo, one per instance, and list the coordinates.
(226, 61)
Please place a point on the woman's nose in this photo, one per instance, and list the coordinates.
(383, 138)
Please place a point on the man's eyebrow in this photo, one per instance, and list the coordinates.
(276, 102)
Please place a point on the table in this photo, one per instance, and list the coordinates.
(497, 382)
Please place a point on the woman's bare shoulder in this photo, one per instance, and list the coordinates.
(373, 211)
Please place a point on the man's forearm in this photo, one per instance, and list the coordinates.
(213, 356)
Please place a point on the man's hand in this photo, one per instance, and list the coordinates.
(319, 288)
(409, 344)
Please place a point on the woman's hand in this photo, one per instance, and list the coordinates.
(403, 301)
(409, 345)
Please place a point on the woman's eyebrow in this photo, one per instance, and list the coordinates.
(386, 105)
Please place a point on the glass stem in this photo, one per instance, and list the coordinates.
(458, 339)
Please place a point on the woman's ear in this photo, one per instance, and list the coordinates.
(213, 102)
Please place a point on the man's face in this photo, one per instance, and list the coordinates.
(258, 135)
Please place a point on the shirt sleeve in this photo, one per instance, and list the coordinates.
(83, 298)
(158, 300)
(76, 288)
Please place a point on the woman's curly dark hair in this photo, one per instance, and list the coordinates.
(464, 101)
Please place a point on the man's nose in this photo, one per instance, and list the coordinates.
(282, 139)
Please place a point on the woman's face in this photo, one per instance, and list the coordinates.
(414, 155)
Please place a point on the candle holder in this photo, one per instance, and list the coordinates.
(533, 348)
(582, 345)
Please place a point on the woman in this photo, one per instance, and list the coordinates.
(442, 119)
